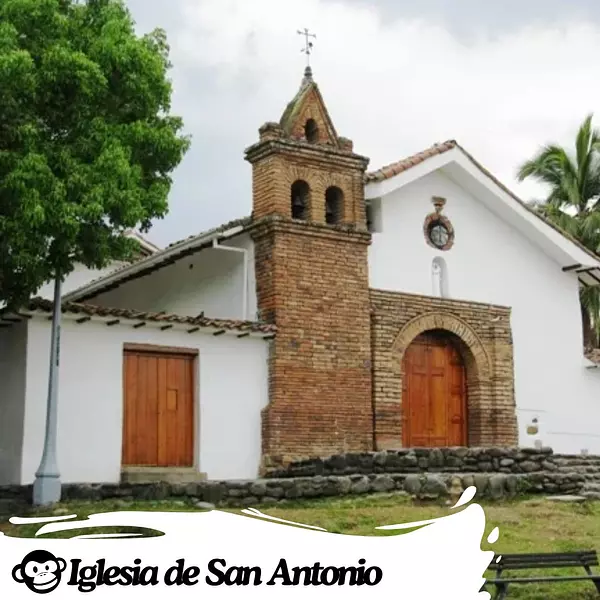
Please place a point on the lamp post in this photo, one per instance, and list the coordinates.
(47, 485)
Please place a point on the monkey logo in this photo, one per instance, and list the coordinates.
(40, 571)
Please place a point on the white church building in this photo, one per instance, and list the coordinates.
(421, 304)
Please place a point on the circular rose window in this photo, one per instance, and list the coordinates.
(438, 234)
(438, 231)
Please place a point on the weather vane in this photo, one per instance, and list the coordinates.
(308, 44)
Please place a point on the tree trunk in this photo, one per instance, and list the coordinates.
(589, 337)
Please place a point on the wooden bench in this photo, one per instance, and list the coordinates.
(512, 562)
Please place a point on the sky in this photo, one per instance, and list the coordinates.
(501, 78)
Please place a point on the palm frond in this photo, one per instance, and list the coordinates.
(573, 202)
(545, 166)
(583, 145)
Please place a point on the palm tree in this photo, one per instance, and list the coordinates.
(573, 204)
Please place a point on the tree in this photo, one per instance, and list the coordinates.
(87, 148)
(87, 144)
(573, 203)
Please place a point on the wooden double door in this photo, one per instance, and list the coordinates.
(434, 393)
(158, 420)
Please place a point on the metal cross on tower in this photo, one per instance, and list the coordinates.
(308, 44)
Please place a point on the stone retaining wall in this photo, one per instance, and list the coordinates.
(427, 486)
(424, 460)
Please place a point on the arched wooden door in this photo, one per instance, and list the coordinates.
(434, 395)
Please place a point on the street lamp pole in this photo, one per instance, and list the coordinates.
(47, 485)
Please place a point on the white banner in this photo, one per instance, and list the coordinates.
(218, 554)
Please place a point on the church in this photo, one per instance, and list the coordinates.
(418, 305)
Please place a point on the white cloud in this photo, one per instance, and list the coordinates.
(394, 87)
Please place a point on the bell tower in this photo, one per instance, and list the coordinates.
(311, 243)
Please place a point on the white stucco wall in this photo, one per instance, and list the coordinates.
(211, 281)
(78, 277)
(13, 347)
(491, 262)
(232, 381)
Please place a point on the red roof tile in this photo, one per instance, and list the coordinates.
(393, 169)
(43, 305)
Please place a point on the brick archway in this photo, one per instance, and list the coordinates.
(475, 358)
(480, 333)
(472, 349)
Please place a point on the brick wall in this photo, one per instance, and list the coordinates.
(277, 164)
(312, 281)
(483, 336)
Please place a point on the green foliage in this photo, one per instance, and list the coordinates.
(87, 144)
(573, 202)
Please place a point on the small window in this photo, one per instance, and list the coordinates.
(438, 234)
(334, 205)
(311, 131)
(300, 195)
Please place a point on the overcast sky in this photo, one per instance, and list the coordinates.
(501, 78)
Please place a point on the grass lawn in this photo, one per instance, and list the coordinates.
(526, 525)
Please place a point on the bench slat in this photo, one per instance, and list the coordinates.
(539, 565)
(594, 578)
(550, 555)
(545, 560)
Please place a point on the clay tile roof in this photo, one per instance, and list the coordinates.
(154, 261)
(43, 305)
(241, 222)
(399, 166)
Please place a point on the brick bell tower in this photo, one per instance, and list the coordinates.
(311, 244)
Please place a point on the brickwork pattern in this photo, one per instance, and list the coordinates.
(313, 283)
(313, 109)
(278, 164)
(482, 334)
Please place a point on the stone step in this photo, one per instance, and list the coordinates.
(178, 475)
(580, 469)
(579, 463)
(578, 456)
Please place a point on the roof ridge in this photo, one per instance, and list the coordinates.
(397, 167)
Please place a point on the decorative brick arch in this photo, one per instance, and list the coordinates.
(482, 335)
(477, 363)
(319, 180)
(470, 346)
